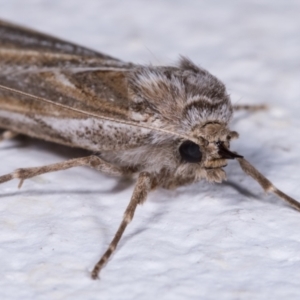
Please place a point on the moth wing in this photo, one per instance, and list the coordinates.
(66, 74)
(18, 37)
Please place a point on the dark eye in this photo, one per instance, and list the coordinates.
(190, 152)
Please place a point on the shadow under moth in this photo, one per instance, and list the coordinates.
(165, 126)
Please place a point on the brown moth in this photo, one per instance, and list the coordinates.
(165, 126)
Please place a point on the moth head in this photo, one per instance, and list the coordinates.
(208, 149)
(205, 117)
(189, 102)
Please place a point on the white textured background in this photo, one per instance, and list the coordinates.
(202, 241)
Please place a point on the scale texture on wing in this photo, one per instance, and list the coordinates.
(59, 71)
(64, 73)
(13, 36)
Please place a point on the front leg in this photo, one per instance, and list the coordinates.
(92, 161)
(142, 187)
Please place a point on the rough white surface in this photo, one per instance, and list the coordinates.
(202, 241)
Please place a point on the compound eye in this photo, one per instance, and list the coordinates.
(190, 152)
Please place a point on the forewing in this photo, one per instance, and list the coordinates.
(13, 36)
(67, 74)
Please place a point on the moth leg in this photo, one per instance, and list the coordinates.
(142, 187)
(92, 161)
(251, 108)
(7, 135)
(266, 184)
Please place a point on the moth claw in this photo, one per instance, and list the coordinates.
(95, 275)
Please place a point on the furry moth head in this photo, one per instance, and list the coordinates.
(187, 100)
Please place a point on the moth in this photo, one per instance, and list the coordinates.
(165, 126)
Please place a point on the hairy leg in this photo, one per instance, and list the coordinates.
(92, 161)
(266, 184)
(142, 187)
(251, 108)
